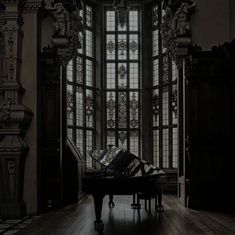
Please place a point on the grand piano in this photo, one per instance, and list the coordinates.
(124, 174)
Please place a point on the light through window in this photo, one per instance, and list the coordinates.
(122, 80)
(164, 99)
(81, 90)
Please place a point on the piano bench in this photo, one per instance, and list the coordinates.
(147, 200)
(147, 197)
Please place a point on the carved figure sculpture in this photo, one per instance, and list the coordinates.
(62, 19)
(76, 22)
(181, 19)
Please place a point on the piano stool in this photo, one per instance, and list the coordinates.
(147, 197)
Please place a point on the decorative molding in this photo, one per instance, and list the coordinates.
(32, 5)
(122, 8)
(5, 111)
(176, 28)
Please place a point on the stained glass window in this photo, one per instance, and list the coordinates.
(122, 80)
(164, 98)
(81, 89)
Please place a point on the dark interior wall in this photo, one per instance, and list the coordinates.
(210, 128)
(210, 22)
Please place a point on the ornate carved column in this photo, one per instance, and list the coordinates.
(176, 28)
(14, 116)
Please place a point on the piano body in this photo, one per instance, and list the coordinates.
(126, 174)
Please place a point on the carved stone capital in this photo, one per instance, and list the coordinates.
(176, 29)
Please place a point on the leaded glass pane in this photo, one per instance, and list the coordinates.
(122, 53)
(165, 70)
(134, 75)
(79, 70)
(89, 108)
(122, 75)
(165, 148)
(133, 21)
(165, 108)
(174, 146)
(70, 104)
(133, 46)
(155, 16)
(89, 16)
(79, 140)
(110, 73)
(89, 73)
(134, 142)
(156, 148)
(70, 133)
(110, 109)
(79, 107)
(89, 146)
(122, 28)
(156, 107)
(89, 43)
(134, 109)
(155, 43)
(110, 21)
(174, 72)
(111, 137)
(122, 110)
(70, 71)
(122, 139)
(110, 46)
(81, 50)
(155, 72)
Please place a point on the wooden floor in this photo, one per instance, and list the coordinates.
(121, 220)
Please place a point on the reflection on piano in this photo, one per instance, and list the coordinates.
(126, 175)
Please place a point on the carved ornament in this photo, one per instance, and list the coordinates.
(4, 111)
(68, 29)
(176, 28)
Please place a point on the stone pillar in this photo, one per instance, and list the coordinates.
(14, 116)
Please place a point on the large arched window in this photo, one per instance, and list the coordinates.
(123, 99)
(164, 103)
(122, 80)
(81, 85)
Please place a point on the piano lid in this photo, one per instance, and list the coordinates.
(121, 160)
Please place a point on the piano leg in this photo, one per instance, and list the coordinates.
(98, 201)
(135, 205)
(111, 203)
(159, 206)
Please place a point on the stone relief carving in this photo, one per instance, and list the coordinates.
(5, 110)
(14, 116)
(61, 19)
(68, 29)
(176, 29)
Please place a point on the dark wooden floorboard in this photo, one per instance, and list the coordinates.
(122, 220)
